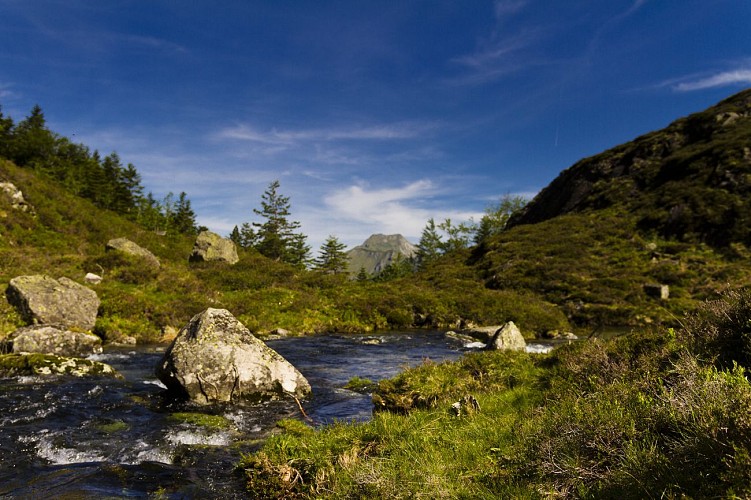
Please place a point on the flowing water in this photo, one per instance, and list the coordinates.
(105, 438)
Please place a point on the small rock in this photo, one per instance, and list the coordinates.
(92, 279)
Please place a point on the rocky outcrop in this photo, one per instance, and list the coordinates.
(215, 358)
(17, 201)
(212, 247)
(507, 338)
(15, 365)
(378, 252)
(126, 246)
(44, 300)
(47, 339)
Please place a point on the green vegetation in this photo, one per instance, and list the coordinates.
(652, 414)
(14, 365)
(277, 237)
(216, 422)
(104, 181)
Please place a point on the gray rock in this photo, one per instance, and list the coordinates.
(215, 358)
(17, 200)
(508, 338)
(212, 247)
(14, 365)
(44, 300)
(126, 246)
(92, 279)
(47, 339)
(482, 333)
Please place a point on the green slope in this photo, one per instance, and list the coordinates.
(671, 207)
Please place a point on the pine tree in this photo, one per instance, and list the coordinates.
(183, 218)
(6, 134)
(234, 237)
(247, 236)
(332, 258)
(429, 246)
(33, 144)
(276, 237)
(362, 275)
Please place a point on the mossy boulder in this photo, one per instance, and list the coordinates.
(215, 358)
(212, 247)
(44, 300)
(130, 248)
(15, 365)
(46, 339)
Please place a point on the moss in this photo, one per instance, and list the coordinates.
(12, 365)
(206, 420)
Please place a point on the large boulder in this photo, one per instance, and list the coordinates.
(44, 300)
(212, 247)
(214, 358)
(508, 338)
(126, 246)
(46, 339)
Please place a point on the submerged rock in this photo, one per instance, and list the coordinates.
(126, 246)
(16, 365)
(47, 339)
(44, 300)
(212, 247)
(215, 358)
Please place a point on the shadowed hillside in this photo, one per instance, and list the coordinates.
(671, 207)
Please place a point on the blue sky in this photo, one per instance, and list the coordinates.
(374, 116)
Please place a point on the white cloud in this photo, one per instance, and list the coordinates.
(357, 212)
(503, 8)
(732, 77)
(249, 133)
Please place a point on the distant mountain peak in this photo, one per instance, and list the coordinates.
(378, 252)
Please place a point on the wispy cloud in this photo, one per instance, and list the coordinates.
(250, 133)
(740, 76)
(5, 92)
(503, 8)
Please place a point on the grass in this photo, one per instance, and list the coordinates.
(418, 453)
(652, 414)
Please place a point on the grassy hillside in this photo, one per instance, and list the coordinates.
(670, 207)
(67, 237)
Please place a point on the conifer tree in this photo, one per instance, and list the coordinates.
(429, 246)
(332, 258)
(234, 237)
(276, 237)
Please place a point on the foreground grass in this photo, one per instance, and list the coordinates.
(427, 453)
(655, 414)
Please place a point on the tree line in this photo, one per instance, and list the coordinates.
(103, 180)
(276, 236)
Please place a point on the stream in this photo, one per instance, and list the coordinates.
(107, 438)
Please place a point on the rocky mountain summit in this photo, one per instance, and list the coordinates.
(689, 181)
(378, 252)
